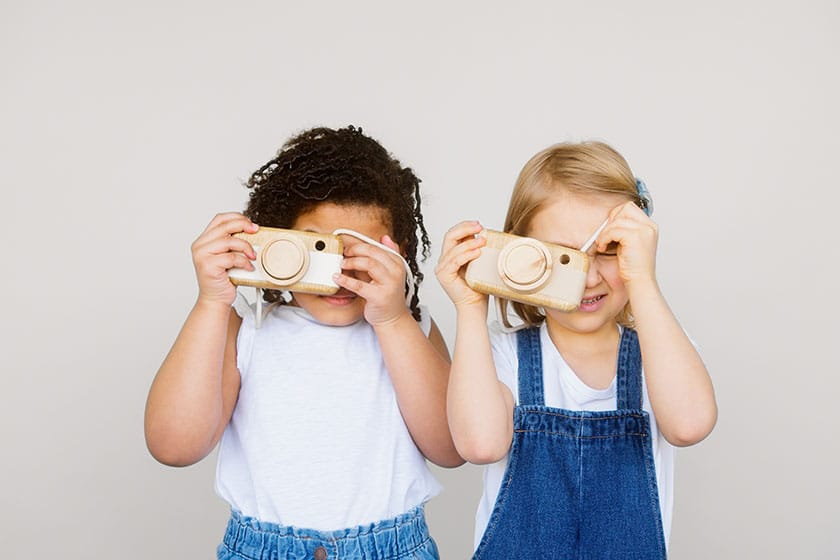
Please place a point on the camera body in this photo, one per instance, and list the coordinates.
(291, 260)
(529, 271)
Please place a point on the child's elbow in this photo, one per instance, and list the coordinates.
(448, 461)
(693, 431)
(171, 456)
(172, 450)
(483, 452)
(171, 459)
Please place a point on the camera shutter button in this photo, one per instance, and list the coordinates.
(285, 260)
(525, 264)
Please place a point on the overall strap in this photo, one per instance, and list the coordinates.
(629, 382)
(530, 373)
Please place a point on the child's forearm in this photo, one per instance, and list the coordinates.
(193, 393)
(480, 406)
(679, 387)
(419, 369)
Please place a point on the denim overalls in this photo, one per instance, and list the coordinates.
(579, 484)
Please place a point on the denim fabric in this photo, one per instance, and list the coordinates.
(403, 537)
(579, 484)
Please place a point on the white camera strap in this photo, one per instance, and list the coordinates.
(257, 312)
(591, 241)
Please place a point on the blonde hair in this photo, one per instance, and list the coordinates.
(587, 168)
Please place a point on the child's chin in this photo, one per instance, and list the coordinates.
(337, 315)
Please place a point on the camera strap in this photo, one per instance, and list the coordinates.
(594, 237)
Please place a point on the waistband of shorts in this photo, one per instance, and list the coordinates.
(388, 539)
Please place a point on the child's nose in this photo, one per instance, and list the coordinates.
(593, 275)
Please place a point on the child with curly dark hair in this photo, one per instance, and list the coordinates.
(328, 411)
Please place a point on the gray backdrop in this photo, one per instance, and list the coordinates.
(124, 128)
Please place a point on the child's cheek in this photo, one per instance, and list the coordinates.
(610, 270)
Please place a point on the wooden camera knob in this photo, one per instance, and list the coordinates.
(285, 260)
(524, 265)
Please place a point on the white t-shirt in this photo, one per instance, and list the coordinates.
(564, 389)
(316, 439)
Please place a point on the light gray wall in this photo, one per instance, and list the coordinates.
(124, 128)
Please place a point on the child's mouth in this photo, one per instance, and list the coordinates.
(341, 297)
(591, 303)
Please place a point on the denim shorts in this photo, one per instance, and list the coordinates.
(404, 537)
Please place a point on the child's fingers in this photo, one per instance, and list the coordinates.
(378, 271)
(234, 260)
(220, 239)
(466, 256)
(461, 230)
(611, 234)
(223, 217)
(224, 245)
(230, 222)
(458, 232)
(626, 217)
(462, 253)
(449, 271)
(386, 258)
(627, 229)
(382, 267)
(358, 287)
(629, 210)
(623, 208)
(226, 227)
(217, 265)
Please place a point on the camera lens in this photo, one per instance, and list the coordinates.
(524, 265)
(285, 260)
(320, 245)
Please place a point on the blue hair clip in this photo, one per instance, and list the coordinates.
(644, 195)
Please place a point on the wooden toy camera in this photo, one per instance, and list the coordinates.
(296, 261)
(529, 271)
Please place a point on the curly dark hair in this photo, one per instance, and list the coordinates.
(341, 166)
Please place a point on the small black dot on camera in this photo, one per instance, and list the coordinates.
(320, 245)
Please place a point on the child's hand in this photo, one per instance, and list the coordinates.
(460, 246)
(216, 250)
(379, 279)
(636, 235)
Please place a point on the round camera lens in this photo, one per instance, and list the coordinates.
(320, 245)
(564, 259)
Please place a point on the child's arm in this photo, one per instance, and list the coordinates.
(480, 406)
(419, 369)
(194, 392)
(678, 385)
(418, 365)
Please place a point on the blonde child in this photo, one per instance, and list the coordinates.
(575, 415)
(328, 411)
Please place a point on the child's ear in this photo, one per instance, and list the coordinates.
(388, 241)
